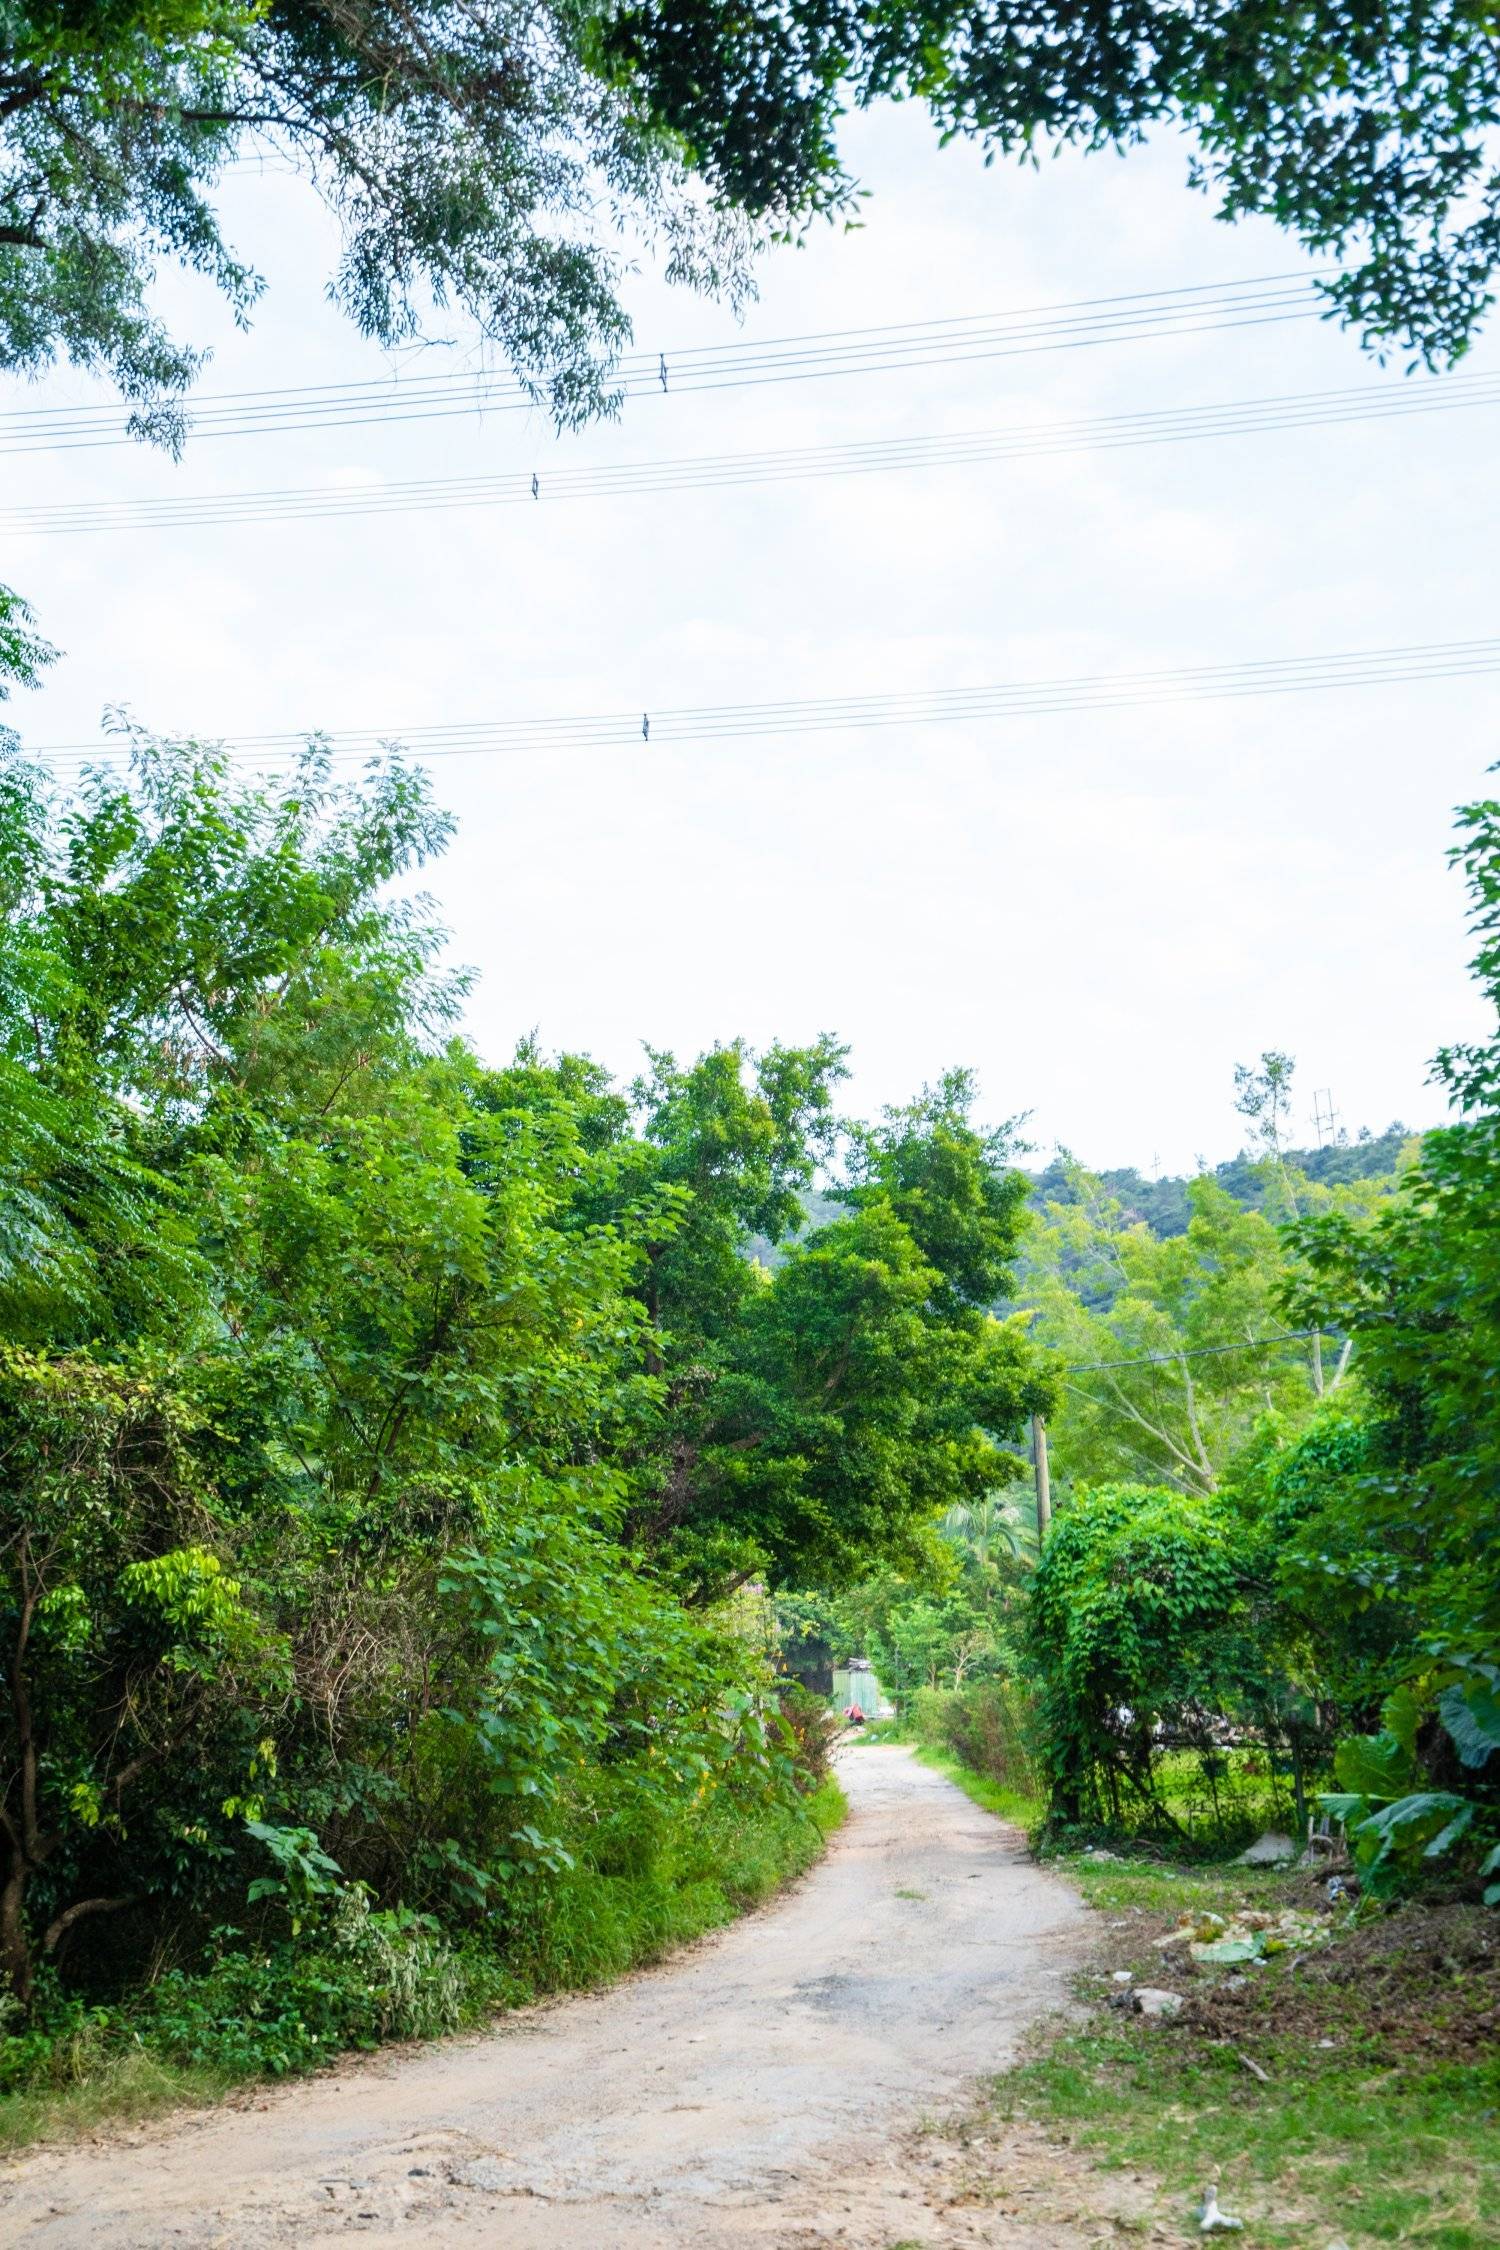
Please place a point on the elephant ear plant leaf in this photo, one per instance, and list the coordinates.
(1470, 1710)
(1396, 1828)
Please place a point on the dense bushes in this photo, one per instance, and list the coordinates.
(354, 1977)
(989, 1727)
(389, 1444)
(1137, 1632)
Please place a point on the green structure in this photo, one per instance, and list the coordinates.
(855, 1684)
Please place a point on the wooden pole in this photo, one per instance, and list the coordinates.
(1043, 1480)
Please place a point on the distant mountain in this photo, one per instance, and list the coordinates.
(1163, 1204)
(821, 1211)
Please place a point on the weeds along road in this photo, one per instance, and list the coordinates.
(752, 2090)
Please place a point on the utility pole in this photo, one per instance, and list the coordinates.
(1325, 1117)
(1043, 1480)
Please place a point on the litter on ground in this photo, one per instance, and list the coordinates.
(1248, 1936)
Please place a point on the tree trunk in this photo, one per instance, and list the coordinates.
(15, 1952)
(1299, 1788)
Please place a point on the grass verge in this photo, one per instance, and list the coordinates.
(248, 2018)
(1346, 2095)
(991, 1796)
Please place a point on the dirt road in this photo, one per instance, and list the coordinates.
(752, 2091)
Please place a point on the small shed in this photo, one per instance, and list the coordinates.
(856, 1687)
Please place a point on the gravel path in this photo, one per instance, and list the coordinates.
(753, 2090)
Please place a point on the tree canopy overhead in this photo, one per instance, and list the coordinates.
(473, 161)
(492, 157)
(1365, 131)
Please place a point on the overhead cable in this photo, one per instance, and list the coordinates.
(913, 708)
(719, 471)
(955, 340)
(1199, 1351)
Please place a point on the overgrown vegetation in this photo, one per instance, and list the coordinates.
(401, 1455)
(1271, 1592)
(352, 1977)
(393, 1449)
(396, 1452)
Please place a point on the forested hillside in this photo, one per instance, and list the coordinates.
(1164, 1204)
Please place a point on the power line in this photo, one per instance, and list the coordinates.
(955, 340)
(699, 472)
(1199, 1351)
(690, 723)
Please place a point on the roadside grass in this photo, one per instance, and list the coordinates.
(992, 1797)
(602, 1921)
(1167, 1888)
(1372, 2111)
(248, 2020)
(123, 2089)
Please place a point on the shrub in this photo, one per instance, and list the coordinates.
(985, 1726)
(810, 1730)
(1140, 1630)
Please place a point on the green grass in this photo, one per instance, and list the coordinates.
(1006, 1804)
(189, 2040)
(1321, 2154)
(126, 2089)
(1371, 2139)
(1163, 1887)
(601, 1922)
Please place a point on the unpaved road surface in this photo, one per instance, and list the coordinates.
(758, 2089)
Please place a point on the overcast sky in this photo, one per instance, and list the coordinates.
(1101, 913)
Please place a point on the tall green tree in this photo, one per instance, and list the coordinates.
(1420, 1289)
(1165, 1338)
(815, 1416)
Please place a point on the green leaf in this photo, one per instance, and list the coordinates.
(1375, 1765)
(1458, 1826)
(1410, 1812)
(1401, 1715)
(1471, 1713)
